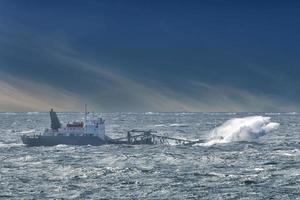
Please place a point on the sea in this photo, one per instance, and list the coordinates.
(242, 156)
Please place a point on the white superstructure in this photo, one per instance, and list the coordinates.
(90, 127)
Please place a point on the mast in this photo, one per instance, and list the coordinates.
(85, 113)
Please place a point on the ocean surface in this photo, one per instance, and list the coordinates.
(251, 156)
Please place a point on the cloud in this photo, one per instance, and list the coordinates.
(136, 95)
(145, 96)
(225, 98)
(24, 95)
(42, 72)
(107, 89)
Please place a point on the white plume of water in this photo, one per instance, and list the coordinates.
(241, 129)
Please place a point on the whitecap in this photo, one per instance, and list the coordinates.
(8, 145)
(28, 131)
(241, 129)
(8, 113)
(160, 125)
(32, 113)
(178, 125)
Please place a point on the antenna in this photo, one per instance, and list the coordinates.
(85, 113)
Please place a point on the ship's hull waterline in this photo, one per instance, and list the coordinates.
(41, 140)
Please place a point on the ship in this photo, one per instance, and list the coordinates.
(87, 132)
(91, 131)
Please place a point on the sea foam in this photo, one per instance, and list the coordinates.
(241, 129)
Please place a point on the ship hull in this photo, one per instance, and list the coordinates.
(67, 140)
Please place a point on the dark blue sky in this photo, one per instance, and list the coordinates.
(150, 55)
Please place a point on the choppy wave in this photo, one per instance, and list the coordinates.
(8, 113)
(241, 129)
(8, 145)
(292, 113)
(32, 113)
(239, 171)
(160, 125)
(178, 125)
(27, 131)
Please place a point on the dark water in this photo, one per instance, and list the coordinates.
(266, 169)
